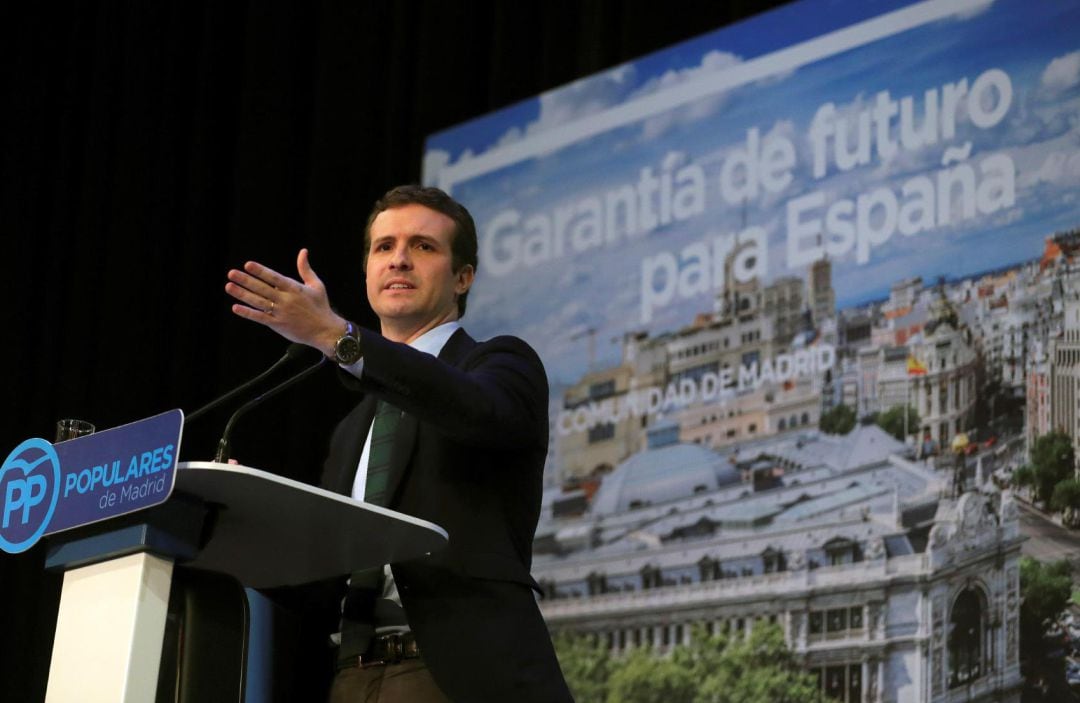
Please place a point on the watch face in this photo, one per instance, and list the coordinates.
(347, 350)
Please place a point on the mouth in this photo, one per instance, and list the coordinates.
(399, 285)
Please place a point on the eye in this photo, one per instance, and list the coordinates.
(425, 246)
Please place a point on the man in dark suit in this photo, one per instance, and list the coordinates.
(450, 430)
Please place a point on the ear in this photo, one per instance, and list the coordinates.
(465, 276)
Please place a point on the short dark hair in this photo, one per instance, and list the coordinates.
(463, 244)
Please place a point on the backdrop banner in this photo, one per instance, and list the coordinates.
(825, 166)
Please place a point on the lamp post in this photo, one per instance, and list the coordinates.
(959, 447)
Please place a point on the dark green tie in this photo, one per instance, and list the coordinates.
(383, 426)
(358, 608)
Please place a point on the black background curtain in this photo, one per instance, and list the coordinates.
(150, 146)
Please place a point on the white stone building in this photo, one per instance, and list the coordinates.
(885, 588)
(944, 393)
(1064, 374)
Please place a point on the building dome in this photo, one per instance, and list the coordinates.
(667, 470)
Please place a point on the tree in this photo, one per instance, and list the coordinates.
(711, 669)
(892, 421)
(756, 669)
(839, 420)
(1066, 498)
(586, 664)
(1044, 594)
(646, 678)
(1051, 462)
(1024, 476)
(1045, 590)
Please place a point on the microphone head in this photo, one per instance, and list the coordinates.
(295, 350)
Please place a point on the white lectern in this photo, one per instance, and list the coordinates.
(262, 529)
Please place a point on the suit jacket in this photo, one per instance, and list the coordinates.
(467, 455)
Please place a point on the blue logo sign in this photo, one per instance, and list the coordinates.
(30, 484)
(49, 488)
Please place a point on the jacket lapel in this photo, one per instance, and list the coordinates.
(453, 352)
(457, 347)
(344, 463)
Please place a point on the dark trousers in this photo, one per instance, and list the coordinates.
(407, 681)
(486, 642)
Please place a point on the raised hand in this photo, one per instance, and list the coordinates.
(297, 310)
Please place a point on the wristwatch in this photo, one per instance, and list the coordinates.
(347, 350)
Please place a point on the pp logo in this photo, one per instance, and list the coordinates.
(30, 486)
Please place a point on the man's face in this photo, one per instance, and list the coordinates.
(411, 284)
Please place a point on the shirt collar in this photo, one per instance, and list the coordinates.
(432, 341)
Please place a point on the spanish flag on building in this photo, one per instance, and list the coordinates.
(915, 367)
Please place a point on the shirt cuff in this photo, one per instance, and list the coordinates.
(356, 368)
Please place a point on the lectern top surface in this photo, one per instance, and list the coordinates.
(274, 531)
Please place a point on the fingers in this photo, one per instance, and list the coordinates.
(303, 267)
(253, 314)
(249, 283)
(269, 276)
(260, 287)
(249, 297)
(298, 311)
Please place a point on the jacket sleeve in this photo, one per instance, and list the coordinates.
(495, 397)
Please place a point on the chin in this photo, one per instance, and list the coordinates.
(397, 312)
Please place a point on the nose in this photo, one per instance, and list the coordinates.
(399, 258)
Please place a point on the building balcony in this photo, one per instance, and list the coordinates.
(746, 589)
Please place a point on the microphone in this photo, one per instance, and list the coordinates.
(294, 350)
(222, 455)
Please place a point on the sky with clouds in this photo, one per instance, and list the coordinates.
(552, 304)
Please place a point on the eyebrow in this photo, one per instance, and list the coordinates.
(411, 237)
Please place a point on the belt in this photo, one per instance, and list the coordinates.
(385, 649)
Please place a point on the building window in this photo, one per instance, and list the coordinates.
(841, 683)
(773, 561)
(601, 390)
(836, 623)
(596, 583)
(855, 619)
(966, 628)
(841, 550)
(598, 433)
(709, 568)
(650, 577)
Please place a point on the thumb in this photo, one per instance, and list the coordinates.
(307, 274)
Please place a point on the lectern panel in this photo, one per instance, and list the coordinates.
(273, 531)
